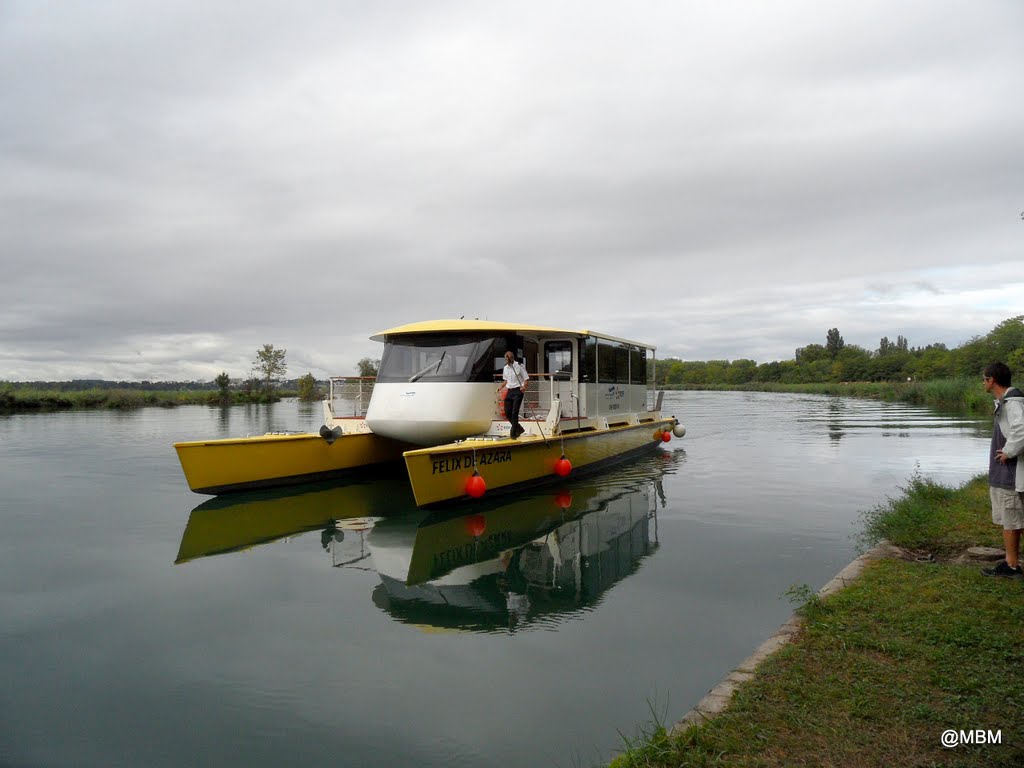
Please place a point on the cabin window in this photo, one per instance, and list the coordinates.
(606, 363)
(438, 357)
(530, 354)
(588, 359)
(621, 365)
(638, 366)
(558, 359)
(613, 363)
(524, 350)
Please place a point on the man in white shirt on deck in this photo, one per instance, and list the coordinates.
(515, 381)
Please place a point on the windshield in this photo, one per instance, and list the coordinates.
(440, 357)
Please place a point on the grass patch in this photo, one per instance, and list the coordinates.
(879, 670)
(933, 517)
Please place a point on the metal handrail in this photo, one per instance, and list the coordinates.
(355, 388)
(532, 397)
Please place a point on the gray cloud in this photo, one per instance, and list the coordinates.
(180, 184)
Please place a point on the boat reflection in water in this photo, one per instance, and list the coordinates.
(242, 521)
(501, 566)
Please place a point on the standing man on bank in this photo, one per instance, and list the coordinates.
(1006, 468)
(515, 381)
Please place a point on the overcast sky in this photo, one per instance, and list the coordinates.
(182, 182)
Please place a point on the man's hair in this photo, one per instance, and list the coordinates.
(1000, 372)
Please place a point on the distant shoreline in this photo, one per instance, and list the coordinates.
(27, 399)
(963, 395)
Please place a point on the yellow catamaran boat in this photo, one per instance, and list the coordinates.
(590, 401)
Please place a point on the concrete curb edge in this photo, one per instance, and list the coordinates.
(718, 698)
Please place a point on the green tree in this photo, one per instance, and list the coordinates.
(998, 344)
(932, 362)
(890, 366)
(1016, 362)
(673, 372)
(834, 343)
(269, 366)
(741, 371)
(715, 371)
(790, 372)
(853, 363)
(223, 382)
(1007, 337)
(971, 356)
(368, 367)
(812, 353)
(307, 388)
(695, 373)
(769, 371)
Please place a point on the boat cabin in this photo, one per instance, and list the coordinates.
(437, 380)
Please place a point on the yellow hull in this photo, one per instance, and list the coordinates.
(221, 466)
(219, 525)
(439, 474)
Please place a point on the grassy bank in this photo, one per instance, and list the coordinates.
(961, 395)
(881, 669)
(29, 400)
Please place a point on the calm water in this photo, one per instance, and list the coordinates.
(141, 624)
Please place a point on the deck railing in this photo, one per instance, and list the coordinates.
(537, 399)
(543, 389)
(350, 395)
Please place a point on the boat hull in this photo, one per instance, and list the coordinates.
(238, 464)
(431, 413)
(439, 475)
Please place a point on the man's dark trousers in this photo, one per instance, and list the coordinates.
(513, 401)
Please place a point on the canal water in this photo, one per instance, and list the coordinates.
(142, 624)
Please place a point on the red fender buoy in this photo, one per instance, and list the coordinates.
(563, 467)
(666, 436)
(475, 485)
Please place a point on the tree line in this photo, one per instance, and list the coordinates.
(837, 361)
(264, 383)
(834, 361)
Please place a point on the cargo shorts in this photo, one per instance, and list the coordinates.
(1007, 508)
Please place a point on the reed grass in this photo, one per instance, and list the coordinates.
(933, 517)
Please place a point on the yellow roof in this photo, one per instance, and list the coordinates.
(472, 326)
